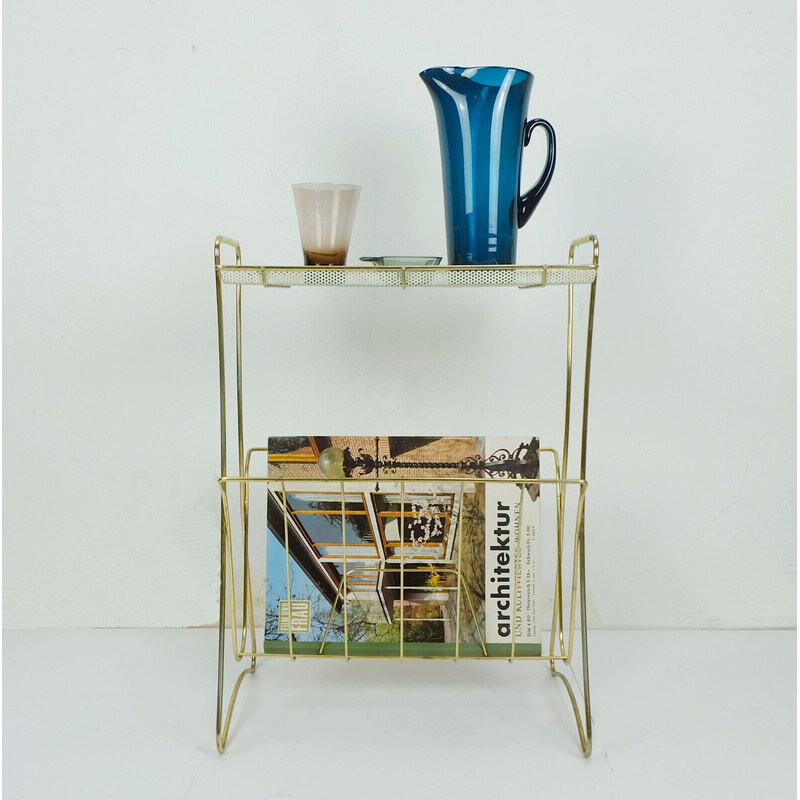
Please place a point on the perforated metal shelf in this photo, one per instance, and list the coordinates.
(403, 277)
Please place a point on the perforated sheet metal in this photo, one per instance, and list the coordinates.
(408, 276)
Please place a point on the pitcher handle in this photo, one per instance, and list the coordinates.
(528, 201)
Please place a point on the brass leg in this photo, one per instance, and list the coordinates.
(584, 724)
(222, 731)
(221, 651)
(224, 567)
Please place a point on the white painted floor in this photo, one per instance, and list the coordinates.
(130, 714)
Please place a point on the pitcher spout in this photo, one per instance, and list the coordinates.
(452, 77)
(436, 79)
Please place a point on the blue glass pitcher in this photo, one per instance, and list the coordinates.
(482, 129)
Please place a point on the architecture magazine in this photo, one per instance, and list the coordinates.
(415, 539)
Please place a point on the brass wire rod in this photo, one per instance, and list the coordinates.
(222, 554)
(248, 578)
(247, 601)
(584, 734)
(402, 564)
(584, 725)
(344, 576)
(225, 479)
(219, 241)
(558, 620)
(475, 619)
(222, 732)
(458, 582)
(246, 560)
(576, 577)
(249, 454)
(568, 391)
(237, 653)
(426, 657)
(330, 616)
(420, 567)
(288, 571)
(586, 739)
(239, 409)
(591, 238)
(222, 728)
(587, 372)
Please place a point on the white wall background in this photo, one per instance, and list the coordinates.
(134, 132)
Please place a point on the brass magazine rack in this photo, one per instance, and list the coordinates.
(238, 489)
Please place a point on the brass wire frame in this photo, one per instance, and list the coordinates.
(564, 650)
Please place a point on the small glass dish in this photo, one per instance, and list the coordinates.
(403, 261)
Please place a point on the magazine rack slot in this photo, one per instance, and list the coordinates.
(402, 572)
(563, 635)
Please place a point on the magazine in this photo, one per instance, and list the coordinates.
(431, 561)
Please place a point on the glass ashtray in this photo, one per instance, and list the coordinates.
(403, 261)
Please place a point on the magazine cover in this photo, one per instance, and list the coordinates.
(450, 528)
